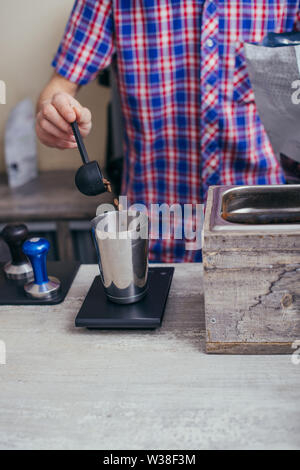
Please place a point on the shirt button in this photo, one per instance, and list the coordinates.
(210, 43)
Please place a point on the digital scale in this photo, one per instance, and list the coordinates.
(97, 312)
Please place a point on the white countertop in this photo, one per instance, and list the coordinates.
(67, 388)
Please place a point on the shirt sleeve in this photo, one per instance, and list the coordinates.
(87, 45)
(297, 20)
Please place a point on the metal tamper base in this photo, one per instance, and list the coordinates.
(18, 272)
(45, 291)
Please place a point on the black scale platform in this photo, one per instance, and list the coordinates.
(97, 312)
(12, 292)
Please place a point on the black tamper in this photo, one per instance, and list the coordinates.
(88, 178)
(19, 268)
(43, 287)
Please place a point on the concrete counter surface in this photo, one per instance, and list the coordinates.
(69, 388)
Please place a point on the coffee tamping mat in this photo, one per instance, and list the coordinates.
(42, 287)
(19, 268)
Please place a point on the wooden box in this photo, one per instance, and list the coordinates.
(251, 283)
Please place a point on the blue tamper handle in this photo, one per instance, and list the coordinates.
(37, 249)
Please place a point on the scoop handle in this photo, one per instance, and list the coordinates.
(80, 143)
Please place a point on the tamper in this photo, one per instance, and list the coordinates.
(19, 268)
(43, 287)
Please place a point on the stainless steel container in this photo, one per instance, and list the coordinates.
(256, 208)
(121, 240)
(277, 204)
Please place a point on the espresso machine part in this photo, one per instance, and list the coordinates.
(19, 268)
(43, 287)
(88, 178)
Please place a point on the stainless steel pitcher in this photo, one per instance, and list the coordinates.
(121, 239)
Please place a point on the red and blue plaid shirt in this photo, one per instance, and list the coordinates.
(189, 110)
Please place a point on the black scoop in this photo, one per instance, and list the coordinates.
(88, 178)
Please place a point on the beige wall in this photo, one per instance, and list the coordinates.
(30, 31)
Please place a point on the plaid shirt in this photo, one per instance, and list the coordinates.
(189, 110)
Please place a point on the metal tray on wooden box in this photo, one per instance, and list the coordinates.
(270, 207)
(262, 205)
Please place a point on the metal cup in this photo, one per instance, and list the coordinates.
(121, 239)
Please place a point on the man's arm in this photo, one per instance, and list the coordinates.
(87, 47)
(297, 19)
(56, 109)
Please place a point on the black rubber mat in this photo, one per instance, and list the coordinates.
(12, 292)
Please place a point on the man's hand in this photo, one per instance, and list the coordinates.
(56, 109)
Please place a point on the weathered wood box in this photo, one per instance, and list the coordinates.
(252, 269)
